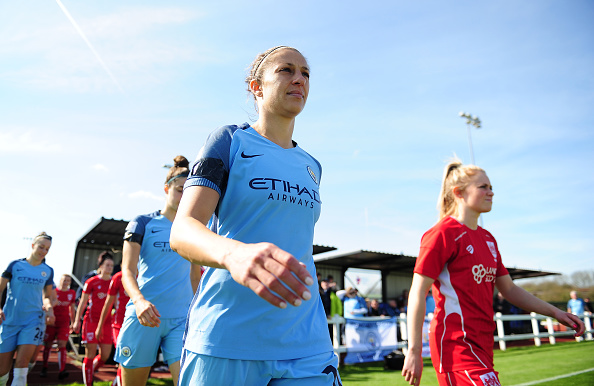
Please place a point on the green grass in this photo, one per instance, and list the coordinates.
(516, 366)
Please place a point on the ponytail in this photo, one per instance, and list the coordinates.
(455, 175)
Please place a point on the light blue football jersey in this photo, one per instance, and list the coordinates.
(24, 297)
(267, 194)
(163, 275)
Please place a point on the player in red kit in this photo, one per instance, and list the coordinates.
(118, 296)
(462, 262)
(64, 311)
(94, 294)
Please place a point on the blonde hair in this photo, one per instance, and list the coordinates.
(455, 175)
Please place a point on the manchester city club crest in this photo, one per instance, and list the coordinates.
(312, 175)
(126, 351)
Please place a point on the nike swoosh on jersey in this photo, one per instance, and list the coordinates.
(157, 230)
(243, 155)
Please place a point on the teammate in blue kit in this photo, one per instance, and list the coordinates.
(22, 321)
(161, 294)
(252, 321)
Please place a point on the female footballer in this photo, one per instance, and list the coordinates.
(253, 320)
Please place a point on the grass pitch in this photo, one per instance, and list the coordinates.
(563, 364)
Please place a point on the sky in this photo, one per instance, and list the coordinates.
(96, 96)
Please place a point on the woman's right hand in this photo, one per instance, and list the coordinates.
(413, 368)
(2, 316)
(147, 313)
(264, 268)
(76, 327)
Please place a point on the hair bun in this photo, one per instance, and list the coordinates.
(181, 161)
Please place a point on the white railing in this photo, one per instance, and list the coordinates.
(536, 321)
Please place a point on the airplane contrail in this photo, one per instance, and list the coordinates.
(82, 35)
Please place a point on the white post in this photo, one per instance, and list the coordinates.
(551, 330)
(500, 331)
(588, 324)
(535, 329)
(403, 331)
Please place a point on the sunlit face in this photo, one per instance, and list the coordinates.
(41, 248)
(285, 84)
(478, 195)
(65, 282)
(106, 267)
(174, 192)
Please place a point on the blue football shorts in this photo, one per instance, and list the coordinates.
(138, 345)
(12, 336)
(317, 370)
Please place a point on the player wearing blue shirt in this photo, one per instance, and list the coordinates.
(160, 284)
(22, 321)
(252, 320)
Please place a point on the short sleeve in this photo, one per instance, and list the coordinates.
(50, 278)
(86, 287)
(7, 274)
(434, 253)
(114, 285)
(211, 168)
(135, 230)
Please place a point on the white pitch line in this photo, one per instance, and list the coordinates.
(83, 36)
(555, 378)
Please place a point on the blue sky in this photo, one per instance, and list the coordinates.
(83, 136)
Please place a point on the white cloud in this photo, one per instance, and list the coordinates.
(100, 168)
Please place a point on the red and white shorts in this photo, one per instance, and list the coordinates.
(88, 333)
(476, 377)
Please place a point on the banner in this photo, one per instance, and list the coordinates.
(369, 339)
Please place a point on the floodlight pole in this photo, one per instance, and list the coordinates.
(476, 122)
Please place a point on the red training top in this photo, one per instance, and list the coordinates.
(464, 264)
(96, 288)
(63, 306)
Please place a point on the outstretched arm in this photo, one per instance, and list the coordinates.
(526, 301)
(415, 317)
(262, 267)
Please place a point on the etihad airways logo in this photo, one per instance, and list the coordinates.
(281, 190)
(480, 273)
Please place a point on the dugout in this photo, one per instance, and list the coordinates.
(396, 269)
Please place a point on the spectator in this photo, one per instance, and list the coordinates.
(575, 305)
(375, 309)
(429, 303)
(390, 308)
(352, 305)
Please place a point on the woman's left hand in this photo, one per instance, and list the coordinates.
(571, 321)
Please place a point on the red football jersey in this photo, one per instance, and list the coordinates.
(63, 306)
(117, 289)
(464, 264)
(96, 288)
